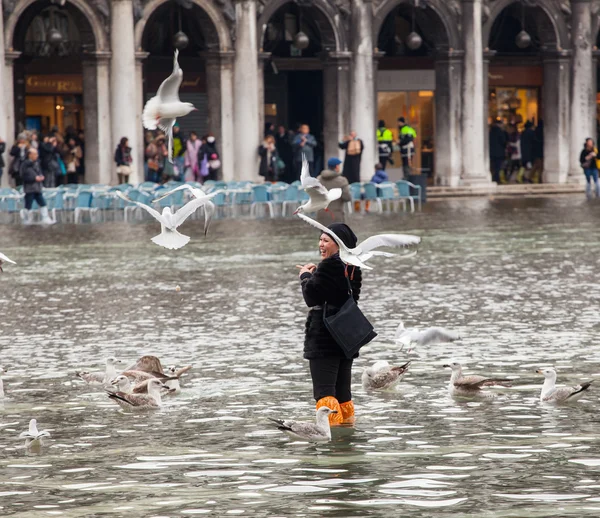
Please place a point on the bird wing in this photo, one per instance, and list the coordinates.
(183, 370)
(324, 229)
(392, 240)
(154, 213)
(137, 376)
(384, 378)
(168, 92)
(180, 188)
(4, 258)
(133, 399)
(188, 209)
(565, 393)
(379, 366)
(209, 212)
(334, 194)
(437, 335)
(167, 126)
(147, 363)
(477, 382)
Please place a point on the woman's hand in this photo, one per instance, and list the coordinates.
(307, 268)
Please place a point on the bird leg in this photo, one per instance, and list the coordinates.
(330, 213)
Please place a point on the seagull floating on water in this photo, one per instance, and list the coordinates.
(4, 259)
(2, 372)
(101, 378)
(140, 401)
(319, 431)
(209, 206)
(552, 394)
(467, 386)
(380, 376)
(320, 197)
(366, 249)
(33, 437)
(123, 384)
(429, 336)
(169, 221)
(163, 109)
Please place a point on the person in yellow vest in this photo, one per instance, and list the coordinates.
(385, 139)
(407, 136)
(354, 148)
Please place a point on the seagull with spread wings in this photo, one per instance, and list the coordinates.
(169, 237)
(319, 196)
(429, 336)
(163, 109)
(4, 259)
(366, 249)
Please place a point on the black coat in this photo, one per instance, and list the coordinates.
(270, 171)
(49, 159)
(2, 149)
(352, 162)
(123, 156)
(327, 284)
(527, 146)
(29, 170)
(498, 141)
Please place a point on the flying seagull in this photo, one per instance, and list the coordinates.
(162, 110)
(33, 437)
(209, 206)
(319, 431)
(470, 385)
(380, 376)
(169, 221)
(552, 394)
(429, 336)
(4, 259)
(320, 197)
(366, 249)
(140, 401)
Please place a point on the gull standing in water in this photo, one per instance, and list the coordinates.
(366, 249)
(140, 401)
(319, 431)
(209, 206)
(552, 394)
(33, 437)
(162, 110)
(429, 336)
(380, 376)
(101, 378)
(4, 259)
(169, 237)
(468, 386)
(320, 197)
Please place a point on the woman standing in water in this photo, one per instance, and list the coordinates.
(330, 370)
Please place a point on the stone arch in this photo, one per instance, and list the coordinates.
(100, 36)
(329, 22)
(554, 27)
(445, 17)
(214, 14)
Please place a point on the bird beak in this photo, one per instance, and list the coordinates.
(195, 110)
(296, 211)
(334, 411)
(446, 366)
(538, 371)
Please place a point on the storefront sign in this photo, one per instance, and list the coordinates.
(515, 76)
(63, 84)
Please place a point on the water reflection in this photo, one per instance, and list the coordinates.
(516, 278)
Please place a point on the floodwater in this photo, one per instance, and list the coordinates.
(518, 278)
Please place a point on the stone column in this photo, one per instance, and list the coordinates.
(362, 90)
(139, 157)
(246, 92)
(263, 57)
(448, 77)
(124, 95)
(557, 76)
(8, 100)
(227, 117)
(583, 110)
(4, 130)
(96, 92)
(487, 57)
(336, 101)
(474, 172)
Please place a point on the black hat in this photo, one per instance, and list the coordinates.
(344, 232)
(381, 124)
(402, 120)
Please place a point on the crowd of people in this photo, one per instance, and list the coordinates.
(516, 156)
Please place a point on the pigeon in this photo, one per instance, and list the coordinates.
(552, 394)
(140, 401)
(169, 221)
(470, 385)
(33, 437)
(209, 206)
(4, 259)
(101, 378)
(162, 110)
(2, 371)
(380, 376)
(319, 431)
(320, 197)
(429, 336)
(364, 250)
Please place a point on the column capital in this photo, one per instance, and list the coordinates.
(218, 56)
(140, 55)
(333, 58)
(556, 55)
(97, 57)
(264, 56)
(451, 55)
(11, 55)
(488, 54)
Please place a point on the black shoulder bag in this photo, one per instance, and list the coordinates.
(349, 327)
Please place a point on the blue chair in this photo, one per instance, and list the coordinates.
(9, 204)
(102, 203)
(260, 196)
(356, 194)
(370, 195)
(277, 193)
(385, 193)
(404, 193)
(297, 183)
(292, 197)
(146, 198)
(147, 186)
(83, 205)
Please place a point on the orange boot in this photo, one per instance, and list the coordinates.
(348, 412)
(332, 403)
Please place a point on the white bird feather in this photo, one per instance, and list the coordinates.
(318, 431)
(4, 259)
(320, 197)
(552, 394)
